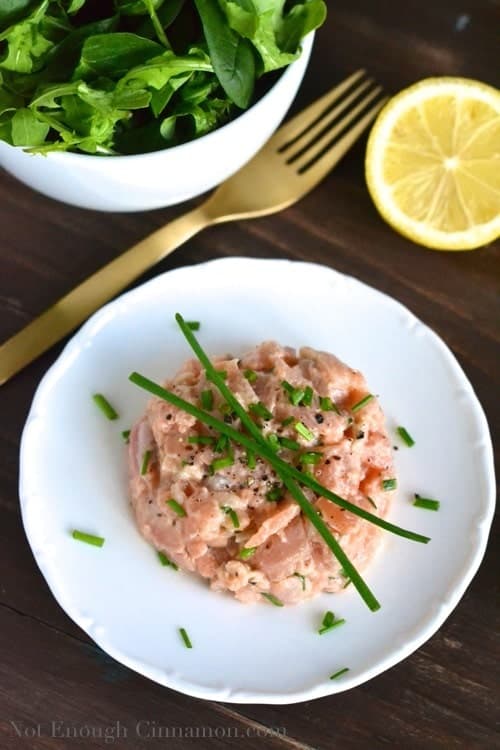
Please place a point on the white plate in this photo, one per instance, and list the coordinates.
(73, 476)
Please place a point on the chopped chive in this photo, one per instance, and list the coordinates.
(146, 458)
(287, 421)
(389, 484)
(222, 443)
(273, 599)
(274, 442)
(296, 396)
(311, 458)
(176, 507)
(246, 552)
(251, 462)
(304, 431)
(207, 400)
(221, 463)
(405, 436)
(275, 494)
(260, 410)
(291, 445)
(371, 502)
(103, 404)
(339, 673)
(302, 580)
(326, 404)
(201, 440)
(308, 396)
(250, 375)
(81, 536)
(426, 502)
(166, 561)
(185, 638)
(287, 387)
(193, 325)
(232, 515)
(362, 403)
(126, 435)
(329, 622)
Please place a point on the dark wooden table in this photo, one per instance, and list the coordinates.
(444, 695)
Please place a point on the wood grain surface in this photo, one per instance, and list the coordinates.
(446, 695)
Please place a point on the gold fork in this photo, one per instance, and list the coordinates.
(293, 161)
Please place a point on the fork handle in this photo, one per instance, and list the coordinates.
(76, 306)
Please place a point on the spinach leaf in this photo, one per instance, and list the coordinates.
(275, 32)
(115, 54)
(13, 11)
(232, 56)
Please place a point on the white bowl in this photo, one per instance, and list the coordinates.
(162, 178)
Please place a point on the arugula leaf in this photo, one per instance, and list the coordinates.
(26, 129)
(26, 45)
(232, 56)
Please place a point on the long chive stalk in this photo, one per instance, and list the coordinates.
(272, 458)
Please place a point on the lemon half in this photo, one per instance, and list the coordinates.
(433, 163)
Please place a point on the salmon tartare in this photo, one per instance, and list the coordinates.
(218, 511)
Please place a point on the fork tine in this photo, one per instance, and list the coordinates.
(308, 116)
(330, 158)
(299, 145)
(306, 157)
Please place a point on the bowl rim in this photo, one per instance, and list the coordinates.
(305, 51)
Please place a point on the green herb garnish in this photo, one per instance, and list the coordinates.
(221, 463)
(251, 462)
(389, 484)
(308, 396)
(274, 442)
(304, 431)
(145, 462)
(405, 436)
(275, 494)
(176, 507)
(126, 435)
(339, 673)
(273, 599)
(207, 400)
(201, 440)
(302, 580)
(287, 421)
(101, 401)
(194, 325)
(222, 443)
(362, 403)
(250, 375)
(81, 536)
(326, 404)
(329, 623)
(246, 552)
(426, 502)
(185, 638)
(311, 458)
(259, 410)
(291, 445)
(165, 561)
(232, 515)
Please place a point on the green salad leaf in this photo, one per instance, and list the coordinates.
(133, 76)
